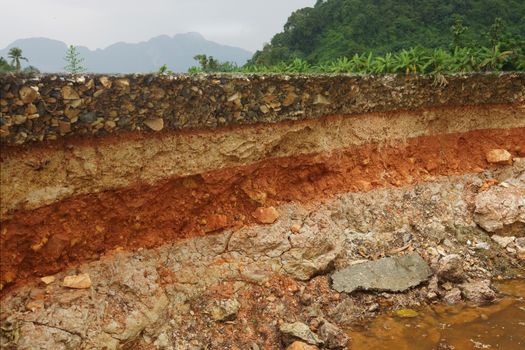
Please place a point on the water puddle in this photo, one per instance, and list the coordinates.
(442, 327)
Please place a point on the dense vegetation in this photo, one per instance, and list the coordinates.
(412, 61)
(342, 28)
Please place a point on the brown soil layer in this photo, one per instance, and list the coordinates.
(81, 228)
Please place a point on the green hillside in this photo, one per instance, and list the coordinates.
(337, 28)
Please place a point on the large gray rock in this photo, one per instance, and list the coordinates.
(394, 274)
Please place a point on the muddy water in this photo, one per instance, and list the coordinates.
(459, 327)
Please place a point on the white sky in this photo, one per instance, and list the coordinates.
(99, 23)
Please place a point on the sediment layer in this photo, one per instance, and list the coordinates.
(59, 170)
(80, 228)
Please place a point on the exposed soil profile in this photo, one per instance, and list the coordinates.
(78, 229)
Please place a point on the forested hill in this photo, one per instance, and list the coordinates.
(336, 28)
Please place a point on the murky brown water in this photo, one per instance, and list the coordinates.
(460, 327)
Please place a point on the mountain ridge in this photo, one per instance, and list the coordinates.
(175, 51)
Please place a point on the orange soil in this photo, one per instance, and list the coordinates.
(79, 229)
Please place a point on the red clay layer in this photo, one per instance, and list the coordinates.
(79, 229)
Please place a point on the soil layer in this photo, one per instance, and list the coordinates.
(81, 228)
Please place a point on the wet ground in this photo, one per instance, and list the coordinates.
(460, 327)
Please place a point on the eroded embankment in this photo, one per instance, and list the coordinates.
(167, 214)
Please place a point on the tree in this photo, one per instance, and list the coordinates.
(209, 64)
(74, 61)
(458, 29)
(4, 66)
(15, 54)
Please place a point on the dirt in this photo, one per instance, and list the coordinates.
(81, 228)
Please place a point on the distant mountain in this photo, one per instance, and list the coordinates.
(176, 52)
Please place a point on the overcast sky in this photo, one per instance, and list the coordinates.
(99, 23)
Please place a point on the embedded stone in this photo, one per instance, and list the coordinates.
(266, 215)
(48, 279)
(156, 124)
(478, 292)
(106, 83)
(503, 241)
(122, 83)
(28, 94)
(394, 274)
(298, 331)
(451, 268)
(264, 109)
(321, 100)
(68, 93)
(81, 281)
(333, 336)
(225, 310)
(499, 156)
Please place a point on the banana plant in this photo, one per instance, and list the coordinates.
(493, 58)
(384, 64)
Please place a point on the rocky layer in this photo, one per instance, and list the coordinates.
(54, 107)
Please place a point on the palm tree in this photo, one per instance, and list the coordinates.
(15, 54)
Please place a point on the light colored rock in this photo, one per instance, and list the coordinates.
(297, 345)
(81, 281)
(520, 244)
(332, 336)
(156, 124)
(321, 100)
(122, 83)
(499, 156)
(224, 310)
(503, 241)
(453, 296)
(106, 83)
(502, 209)
(298, 331)
(264, 109)
(48, 279)
(68, 93)
(394, 274)
(451, 268)
(296, 228)
(478, 292)
(28, 94)
(266, 215)
(482, 246)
